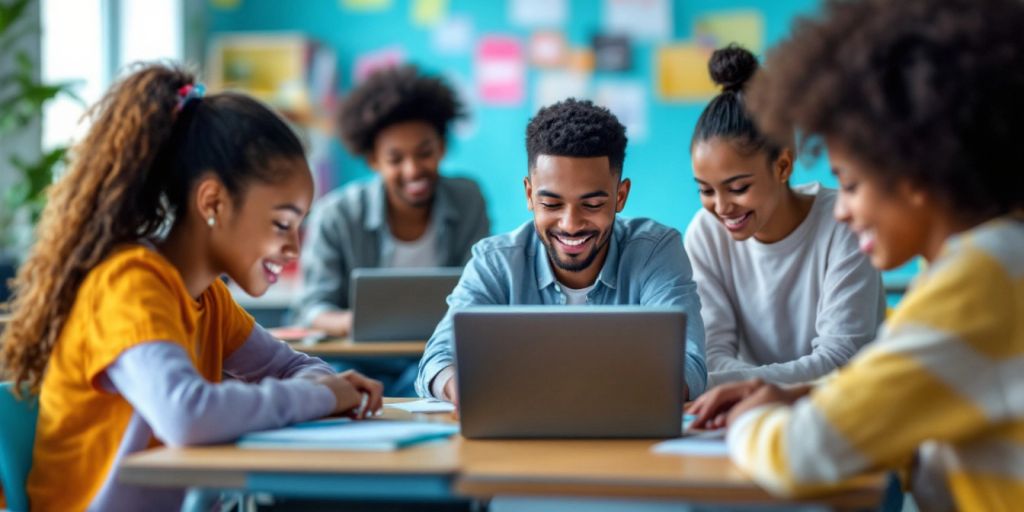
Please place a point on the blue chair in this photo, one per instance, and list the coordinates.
(893, 499)
(17, 436)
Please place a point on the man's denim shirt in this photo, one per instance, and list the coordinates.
(646, 265)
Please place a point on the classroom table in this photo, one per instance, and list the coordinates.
(623, 469)
(346, 348)
(422, 472)
(460, 468)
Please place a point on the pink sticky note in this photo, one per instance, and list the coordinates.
(501, 70)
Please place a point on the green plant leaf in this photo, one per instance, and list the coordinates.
(10, 13)
(22, 97)
(39, 94)
(17, 34)
(38, 176)
(26, 67)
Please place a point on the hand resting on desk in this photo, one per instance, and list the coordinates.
(349, 387)
(723, 404)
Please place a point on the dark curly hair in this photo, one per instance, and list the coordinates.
(576, 128)
(931, 91)
(394, 95)
(726, 115)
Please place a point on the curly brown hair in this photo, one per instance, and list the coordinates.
(127, 179)
(931, 91)
(394, 95)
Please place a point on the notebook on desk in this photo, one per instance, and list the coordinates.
(345, 434)
(399, 304)
(570, 372)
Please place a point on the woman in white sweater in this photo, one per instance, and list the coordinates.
(787, 294)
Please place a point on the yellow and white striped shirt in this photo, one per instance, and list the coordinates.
(947, 372)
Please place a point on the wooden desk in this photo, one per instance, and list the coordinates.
(481, 469)
(425, 471)
(338, 348)
(623, 469)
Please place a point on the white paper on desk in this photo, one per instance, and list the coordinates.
(341, 434)
(704, 444)
(425, 405)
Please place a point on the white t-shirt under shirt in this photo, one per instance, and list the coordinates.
(421, 252)
(574, 297)
(785, 312)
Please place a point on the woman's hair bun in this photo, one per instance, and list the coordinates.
(731, 67)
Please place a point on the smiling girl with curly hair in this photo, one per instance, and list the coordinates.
(920, 105)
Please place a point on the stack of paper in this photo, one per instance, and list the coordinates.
(345, 434)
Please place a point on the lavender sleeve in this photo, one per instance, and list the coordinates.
(262, 355)
(183, 408)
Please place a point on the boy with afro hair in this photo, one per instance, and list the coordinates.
(407, 215)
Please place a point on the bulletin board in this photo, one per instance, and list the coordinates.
(644, 59)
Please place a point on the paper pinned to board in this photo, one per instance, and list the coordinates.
(628, 101)
(501, 71)
(642, 20)
(612, 52)
(548, 49)
(538, 13)
(428, 13)
(682, 72)
(453, 35)
(743, 27)
(555, 86)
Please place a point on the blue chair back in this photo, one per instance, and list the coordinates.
(17, 436)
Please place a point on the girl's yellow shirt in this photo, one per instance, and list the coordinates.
(134, 296)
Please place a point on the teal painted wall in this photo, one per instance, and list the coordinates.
(494, 152)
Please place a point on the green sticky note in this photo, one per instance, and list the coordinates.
(718, 29)
(428, 13)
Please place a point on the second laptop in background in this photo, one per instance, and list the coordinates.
(399, 304)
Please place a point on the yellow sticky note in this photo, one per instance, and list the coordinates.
(428, 13)
(745, 28)
(226, 5)
(366, 5)
(683, 72)
(581, 60)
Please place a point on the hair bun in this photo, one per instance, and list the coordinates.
(731, 67)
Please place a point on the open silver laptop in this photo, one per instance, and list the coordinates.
(570, 372)
(399, 304)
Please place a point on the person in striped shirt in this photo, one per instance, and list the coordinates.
(920, 105)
